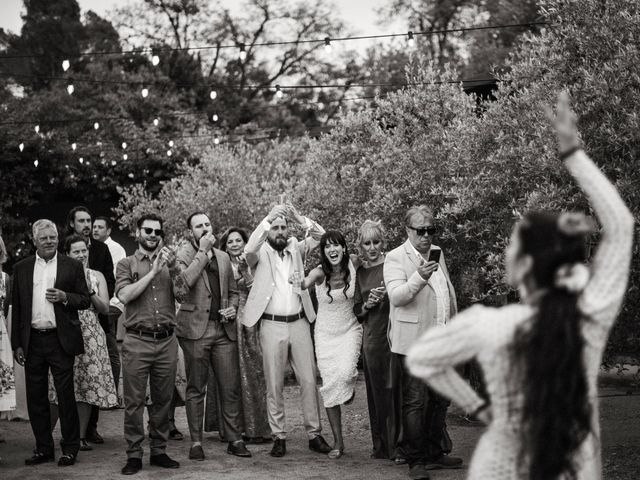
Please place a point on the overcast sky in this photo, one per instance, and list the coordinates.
(358, 14)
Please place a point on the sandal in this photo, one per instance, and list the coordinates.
(335, 453)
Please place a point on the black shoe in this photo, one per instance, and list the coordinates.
(419, 472)
(67, 460)
(279, 448)
(39, 458)
(133, 466)
(163, 461)
(94, 437)
(84, 445)
(319, 445)
(238, 448)
(444, 461)
(176, 434)
(196, 453)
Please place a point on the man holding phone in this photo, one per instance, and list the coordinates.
(421, 297)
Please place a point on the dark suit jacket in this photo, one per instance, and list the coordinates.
(100, 260)
(71, 280)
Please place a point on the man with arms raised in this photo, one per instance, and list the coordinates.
(285, 316)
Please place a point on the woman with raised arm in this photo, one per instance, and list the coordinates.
(541, 358)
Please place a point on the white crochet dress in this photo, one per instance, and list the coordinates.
(338, 337)
(486, 334)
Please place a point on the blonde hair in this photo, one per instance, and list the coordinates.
(371, 230)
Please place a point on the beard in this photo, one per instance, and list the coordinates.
(148, 246)
(279, 243)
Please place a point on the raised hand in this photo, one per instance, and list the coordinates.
(564, 122)
(426, 269)
(206, 242)
(158, 263)
(169, 255)
(277, 211)
(294, 215)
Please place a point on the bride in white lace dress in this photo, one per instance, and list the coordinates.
(338, 335)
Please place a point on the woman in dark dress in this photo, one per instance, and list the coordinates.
(381, 372)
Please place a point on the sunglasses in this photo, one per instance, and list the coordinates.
(158, 232)
(431, 230)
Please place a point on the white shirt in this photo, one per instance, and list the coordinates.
(283, 299)
(438, 282)
(117, 252)
(44, 276)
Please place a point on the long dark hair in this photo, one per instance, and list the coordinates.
(335, 237)
(557, 414)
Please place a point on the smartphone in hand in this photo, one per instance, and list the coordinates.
(434, 255)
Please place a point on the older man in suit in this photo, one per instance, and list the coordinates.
(285, 316)
(206, 289)
(48, 291)
(421, 297)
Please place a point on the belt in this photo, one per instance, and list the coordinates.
(43, 331)
(151, 334)
(283, 318)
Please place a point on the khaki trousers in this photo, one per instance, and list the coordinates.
(143, 359)
(283, 342)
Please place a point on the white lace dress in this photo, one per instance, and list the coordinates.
(487, 333)
(338, 337)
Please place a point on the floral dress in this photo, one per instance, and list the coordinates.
(92, 375)
(488, 333)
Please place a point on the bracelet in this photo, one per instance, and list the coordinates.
(567, 153)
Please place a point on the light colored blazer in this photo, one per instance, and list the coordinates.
(260, 257)
(413, 302)
(193, 291)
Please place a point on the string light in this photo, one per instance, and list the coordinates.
(96, 126)
(21, 146)
(73, 146)
(156, 122)
(155, 60)
(37, 128)
(216, 140)
(411, 41)
(169, 153)
(327, 44)
(70, 89)
(35, 163)
(213, 94)
(125, 156)
(279, 92)
(145, 92)
(81, 160)
(242, 54)
(171, 143)
(124, 145)
(214, 117)
(113, 163)
(131, 175)
(65, 65)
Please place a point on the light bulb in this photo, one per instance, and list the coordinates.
(73, 146)
(171, 143)
(81, 160)
(216, 140)
(155, 60)
(156, 122)
(327, 44)
(88, 162)
(131, 175)
(35, 163)
(410, 40)
(37, 128)
(279, 92)
(169, 153)
(70, 89)
(113, 163)
(214, 117)
(125, 156)
(21, 146)
(65, 65)
(242, 54)
(124, 145)
(145, 92)
(96, 126)
(213, 94)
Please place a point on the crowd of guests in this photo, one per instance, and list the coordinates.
(238, 310)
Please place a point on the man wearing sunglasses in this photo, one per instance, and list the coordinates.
(421, 297)
(144, 284)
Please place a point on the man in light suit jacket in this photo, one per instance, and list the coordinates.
(48, 290)
(285, 316)
(421, 297)
(206, 289)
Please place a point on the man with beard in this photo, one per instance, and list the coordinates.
(150, 349)
(79, 222)
(206, 289)
(421, 297)
(285, 315)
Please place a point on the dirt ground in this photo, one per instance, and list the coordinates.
(620, 433)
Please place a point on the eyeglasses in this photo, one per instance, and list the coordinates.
(157, 231)
(431, 230)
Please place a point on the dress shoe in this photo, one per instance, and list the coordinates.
(39, 458)
(238, 448)
(419, 472)
(84, 445)
(196, 453)
(279, 448)
(318, 444)
(133, 466)
(67, 460)
(163, 461)
(94, 437)
(443, 461)
(176, 434)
